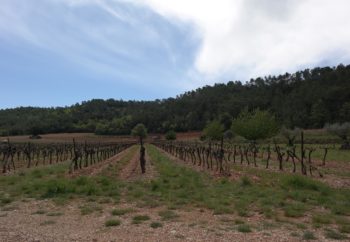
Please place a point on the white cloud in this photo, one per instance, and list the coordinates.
(247, 38)
(237, 38)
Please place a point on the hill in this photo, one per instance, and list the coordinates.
(307, 99)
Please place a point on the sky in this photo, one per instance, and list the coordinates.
(61, 52)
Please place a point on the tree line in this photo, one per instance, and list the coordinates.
(306, 99)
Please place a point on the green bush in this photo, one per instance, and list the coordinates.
(244, 228)
(156, 225)
(112, 222)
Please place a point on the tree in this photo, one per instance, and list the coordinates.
(255, 125)
(139, 131)
(342, 131)
(226, 121)
(319, 114)
(214, 131)
(170, 135)
(345, 112)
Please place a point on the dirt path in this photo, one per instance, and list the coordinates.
(132, 171)
(100, 166)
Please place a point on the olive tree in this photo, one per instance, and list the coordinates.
(139, 131)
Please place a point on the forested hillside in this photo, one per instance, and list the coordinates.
(306, 99)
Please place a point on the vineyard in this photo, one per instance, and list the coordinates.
(218, 190)
(214, 157)
(80, 155)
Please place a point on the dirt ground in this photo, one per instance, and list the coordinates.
(132, 171)
(68, 137)
(43, 220)
(99, 166)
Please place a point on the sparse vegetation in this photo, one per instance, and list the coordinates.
(156, 225)
(112, 222)
(140, 218)
(119, 212)
(244, 228)
(308, 235)
(168, 215)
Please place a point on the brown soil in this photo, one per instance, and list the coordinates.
(68, 138)
(332, 180)
(42, 220)
(201, 168)
(98, 167)
(25, 223)
(132, 171)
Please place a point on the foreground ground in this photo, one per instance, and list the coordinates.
(113, 201)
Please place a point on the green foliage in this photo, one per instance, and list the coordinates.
(303, 183)
(214, 131)
(321, 219)
(226, 121)
(156, 225)
(345, 112)
(139, 130)
(119, 212)
(139, 219)
(255, 125)
(170, 135)
(308, 235)
(294, 210)
(117, 126)
(244, 228)
(332, 234)
(306, 99)
(168, 215)
(112, 222)
(245, 181)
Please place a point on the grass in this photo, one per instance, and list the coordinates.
(168, 215)
(155, 225)
(238, 221)
(244, 228)
(345, 229)
(181, 187)
(322, 219)
(40, 211)
(308, 235)
(90, 208)
(48, 222)
(294, 210)
(50, 182)
(112, 222)
(54, 214)
(139, 219)
(120, 212)
(332, 234)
